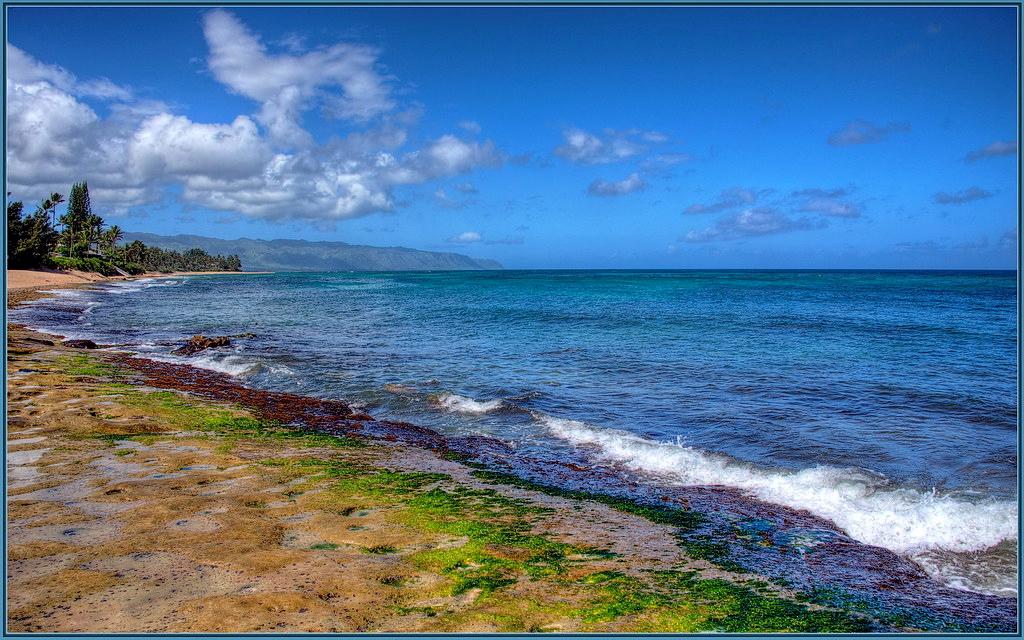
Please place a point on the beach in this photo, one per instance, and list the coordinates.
(157, 496)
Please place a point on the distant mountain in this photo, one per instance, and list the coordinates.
(302, 255)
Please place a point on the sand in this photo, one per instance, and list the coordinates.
(21, 279)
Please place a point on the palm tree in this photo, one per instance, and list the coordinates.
(92, 232)
(112, 237)
(55, 199)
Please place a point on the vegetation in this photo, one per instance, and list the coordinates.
(81, 240)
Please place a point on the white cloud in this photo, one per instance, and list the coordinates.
(466, 237)
(997, 148)
(728, 199)
(610, 146)
(167, 145)
(747, 223)
(470, 126)
(864, 132)
(131, 156)
(962, 197)
(28, 70)
(286, 84)
(631, 183)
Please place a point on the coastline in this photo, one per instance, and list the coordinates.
(23, 279)
(28, 284)
(442, 546)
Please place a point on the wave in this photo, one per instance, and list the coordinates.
(864, 504)
(132, 286)
(462, 404)
(234, 365)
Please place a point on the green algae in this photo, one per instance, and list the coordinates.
(898, 617)
(702, 547)
(683, 601)
(87, 366)
(674, 516)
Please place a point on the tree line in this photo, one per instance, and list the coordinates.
(80, 239)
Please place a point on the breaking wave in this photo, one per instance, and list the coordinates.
(462, 404)
(867, 506)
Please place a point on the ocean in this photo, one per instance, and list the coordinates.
(883, 402)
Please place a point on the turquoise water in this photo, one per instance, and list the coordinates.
(882, 401)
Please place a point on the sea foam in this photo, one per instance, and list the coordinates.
(865, 505)
(462, 404)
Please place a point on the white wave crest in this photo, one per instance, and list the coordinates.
(462, 404)
(132, 286)
(234, 365)
(903, 520)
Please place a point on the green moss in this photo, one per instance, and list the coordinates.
(86, 365)
(380, 549)
(683, 601)
(185, 413)
(697, 546)
(899, 617)
(674, 516)
(324, 546)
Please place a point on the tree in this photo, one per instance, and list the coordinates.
(111, 237)
(29, 240)
(15, 230)
(75, 239)
(55, 199)
(135, 252)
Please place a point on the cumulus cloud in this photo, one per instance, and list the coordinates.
(996, 149)
(286, 84)
(28, 70)
(864, 132)
(748, 223)
(962, 197)
(730, 198)
(605, 188)
(609, 146)
(261, 165)
(466, 237)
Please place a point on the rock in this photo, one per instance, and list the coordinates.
(243, 335)
(80, 344)
(199, 343)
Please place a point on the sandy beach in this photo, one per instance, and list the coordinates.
(133, 508)
(22, 279)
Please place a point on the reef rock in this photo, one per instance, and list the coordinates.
(199, 343)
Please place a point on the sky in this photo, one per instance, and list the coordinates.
(586, 137)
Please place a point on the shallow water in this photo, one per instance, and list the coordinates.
(882, 401)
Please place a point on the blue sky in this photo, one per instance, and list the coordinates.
(675, 137)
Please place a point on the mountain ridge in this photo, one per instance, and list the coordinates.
(283, 254)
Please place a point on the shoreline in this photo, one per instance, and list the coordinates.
(427, 449)
(30, 279)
